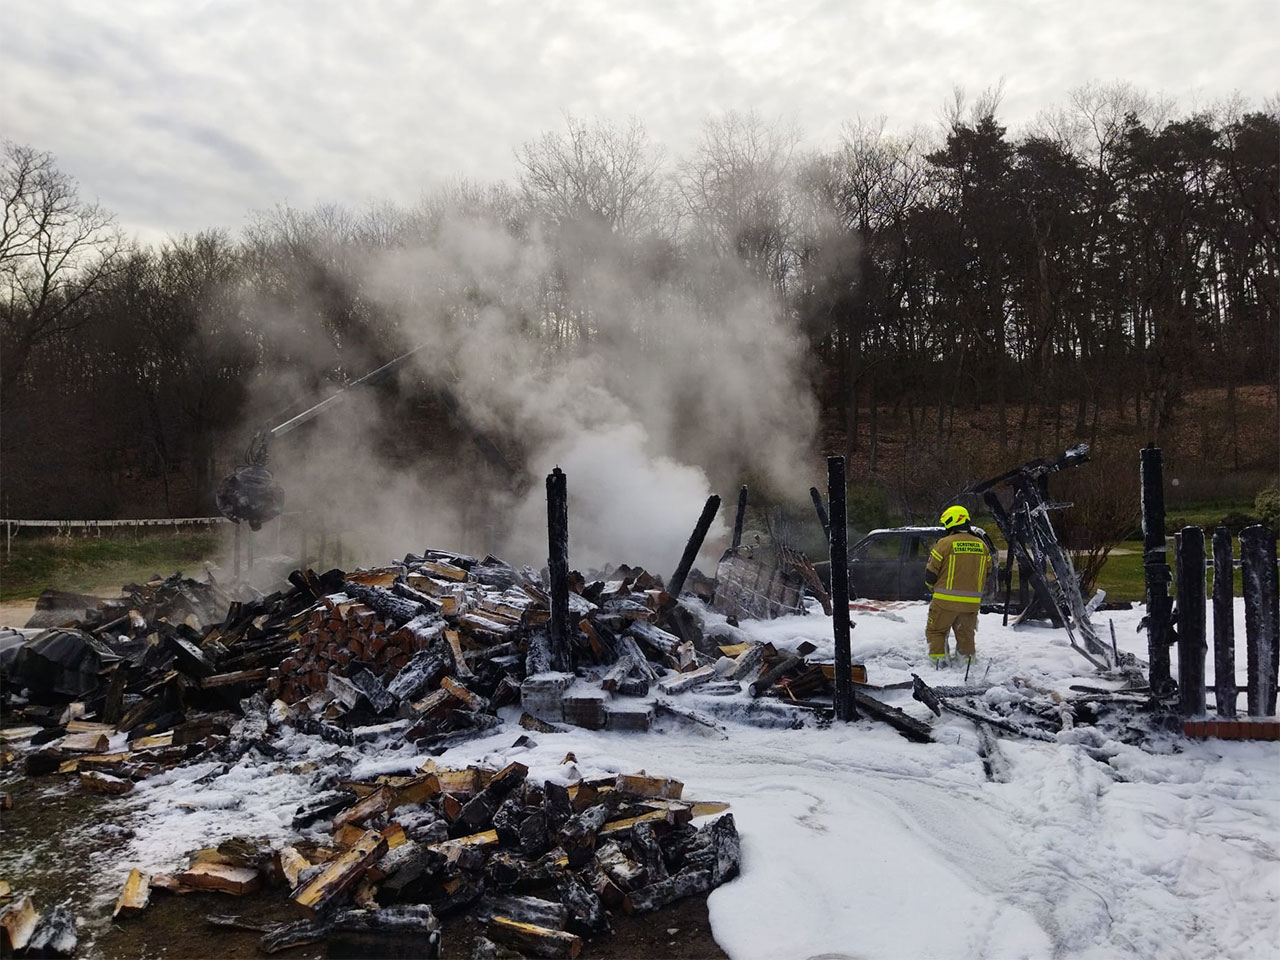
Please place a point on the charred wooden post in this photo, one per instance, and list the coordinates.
(693, 546)
(558, 566)
(740, 518)
(1224, 627)
(1191, 619)
(1156, 570)
(845, 707)
(779, 670)
(1261, 618)
(235, 554)
(821, 511)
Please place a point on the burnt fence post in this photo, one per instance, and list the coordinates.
(558, 566)
(1224, 627)
(740, 518)
(691, 548)
(1191, 619)
(1258, 576)
(838, 540)
(1155, 564)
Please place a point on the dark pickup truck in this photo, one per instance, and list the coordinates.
(889, 564)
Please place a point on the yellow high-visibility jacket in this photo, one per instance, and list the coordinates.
(957, 571)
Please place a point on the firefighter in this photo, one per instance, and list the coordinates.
(956, 574)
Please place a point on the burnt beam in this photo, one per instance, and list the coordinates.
(1191, 619)
(693, 546)
(845, 706)
(558, 566)
(1224, 627)
(1261, 619)
(821, 511)
(1155, 564)
(740, 518)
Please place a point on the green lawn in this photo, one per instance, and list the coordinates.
(83, 563)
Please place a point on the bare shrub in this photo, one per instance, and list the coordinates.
(1105, 511)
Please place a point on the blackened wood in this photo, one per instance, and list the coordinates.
(113, 705)
(478, 812)
(633, 687)
(535, 834)
(578, 835)
(845, 704)
(618, 672)
(648, 853)
(693, 546)
(535, 910)
(507, 820)
(822, 513)
(740, 518)
(1224, 627)
(329, 732)
(1155, 566)
(905, 724)
(1261, 620)
(322, 806)
(557, 804)
(586, 911)
(621, 869)
(1191, 622)
(657, 895)
(297, 934)
(388, 606)
(628, 646)
(775, 673)
(419, 674)
(558, 567)
(401, 932)
(530, 938)
(726, 848)
(373, 691)
(538, 658)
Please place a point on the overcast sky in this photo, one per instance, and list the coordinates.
(183, 115)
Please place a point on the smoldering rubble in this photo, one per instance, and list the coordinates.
(427, 653)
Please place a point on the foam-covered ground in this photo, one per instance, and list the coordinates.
(859, 843)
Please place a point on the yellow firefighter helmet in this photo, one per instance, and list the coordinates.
(954, 517)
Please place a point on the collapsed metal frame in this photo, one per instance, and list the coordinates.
(1032, 540)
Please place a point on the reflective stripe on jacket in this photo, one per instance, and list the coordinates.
(957, 570)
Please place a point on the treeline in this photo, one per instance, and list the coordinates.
(1103, 262)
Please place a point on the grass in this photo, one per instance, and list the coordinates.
(79, 563)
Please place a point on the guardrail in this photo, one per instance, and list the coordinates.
(309, 533)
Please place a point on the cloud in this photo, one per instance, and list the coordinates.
(232, 105)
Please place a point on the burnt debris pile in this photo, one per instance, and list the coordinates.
(420, 654)
(378, 865)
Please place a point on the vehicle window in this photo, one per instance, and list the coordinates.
(882, 548)
(915, 548)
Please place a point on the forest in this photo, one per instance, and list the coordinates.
(945, 301)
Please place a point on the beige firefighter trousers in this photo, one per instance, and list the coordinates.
(942, 621)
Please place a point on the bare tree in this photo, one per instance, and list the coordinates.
(739, 186)
(595, 172)
(55, 251)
